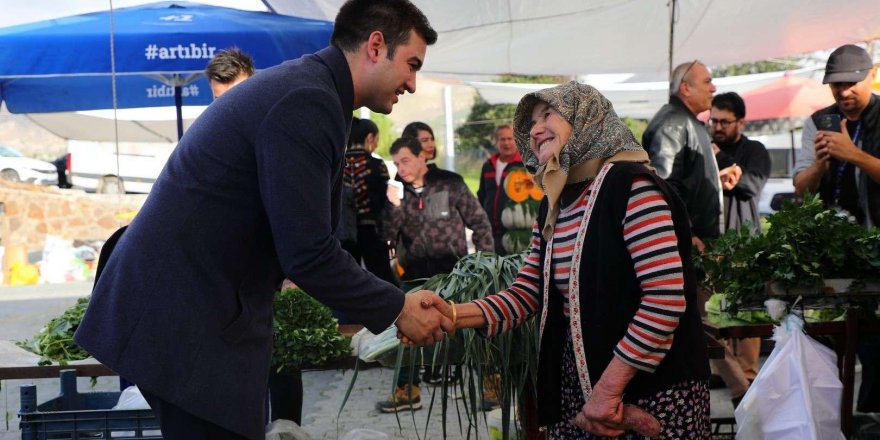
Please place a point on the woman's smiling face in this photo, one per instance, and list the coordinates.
(549, 132)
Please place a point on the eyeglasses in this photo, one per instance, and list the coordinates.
(676, 81)
(691, 66)
(724, 123)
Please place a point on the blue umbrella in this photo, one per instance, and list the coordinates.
(159, 53)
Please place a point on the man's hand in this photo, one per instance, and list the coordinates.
(697, 243)
(423, 325)
(836, 145)
(730, 177)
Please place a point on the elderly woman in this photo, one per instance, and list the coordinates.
(609, 275)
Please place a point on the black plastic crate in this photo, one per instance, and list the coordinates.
(80, 416)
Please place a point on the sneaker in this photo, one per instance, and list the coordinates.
(491, 387)
(405, 398)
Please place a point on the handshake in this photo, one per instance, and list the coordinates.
(425, 319)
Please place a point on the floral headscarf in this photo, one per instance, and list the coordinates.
(597, 135)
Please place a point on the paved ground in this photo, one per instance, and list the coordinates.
(24, 310)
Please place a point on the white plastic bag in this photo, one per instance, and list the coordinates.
(131, 398)
(375, 347)
(282, 429)
(797, 393)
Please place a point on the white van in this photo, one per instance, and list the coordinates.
(97, 167)
(780, 184)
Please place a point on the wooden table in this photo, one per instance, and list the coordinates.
(845, 335)
(16, 363)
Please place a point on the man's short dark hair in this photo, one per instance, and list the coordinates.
(357, 19)
(228, 64)
(499, 128)
(732, 102)
(413, 144)
(412, 129)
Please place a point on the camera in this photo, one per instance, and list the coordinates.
(829, 123)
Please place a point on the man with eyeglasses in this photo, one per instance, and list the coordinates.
(681, 151)
(843, 167)
(745, 168)
(744, 163)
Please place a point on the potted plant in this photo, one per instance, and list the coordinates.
(306, 335)
(806, 250)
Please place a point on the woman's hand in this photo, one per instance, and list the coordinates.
(634, 418)
(602, 414)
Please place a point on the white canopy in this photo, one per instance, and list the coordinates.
(569, 37)
(572, 37)
(635, 100)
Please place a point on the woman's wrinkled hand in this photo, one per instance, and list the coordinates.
(634, 418)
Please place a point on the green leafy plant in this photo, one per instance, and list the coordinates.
(54, 342)
(804, 246)
(305, 333)
(511, 355)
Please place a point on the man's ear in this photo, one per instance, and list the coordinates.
(376, 46)
(684, 89)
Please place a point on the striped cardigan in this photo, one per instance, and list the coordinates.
(634, 283)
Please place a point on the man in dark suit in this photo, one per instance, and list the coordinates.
(251, 195)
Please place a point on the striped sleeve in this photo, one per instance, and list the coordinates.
(510, 308)
(650, 238)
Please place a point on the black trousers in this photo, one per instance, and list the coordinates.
(178, 424)
(286, 395)
(868, 350)
(373, 250)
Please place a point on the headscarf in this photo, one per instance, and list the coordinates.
(597, 136)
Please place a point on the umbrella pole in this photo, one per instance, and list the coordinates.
(178, 104)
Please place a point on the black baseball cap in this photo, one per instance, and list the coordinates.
(847, 64)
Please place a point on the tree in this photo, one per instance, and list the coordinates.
(477, 131)
(757, 67)
(386, 133)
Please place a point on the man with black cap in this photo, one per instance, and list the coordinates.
(842, 164)
(840, 160)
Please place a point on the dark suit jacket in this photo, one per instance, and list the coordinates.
(184, 305)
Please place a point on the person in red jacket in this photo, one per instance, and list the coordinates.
(491, 193)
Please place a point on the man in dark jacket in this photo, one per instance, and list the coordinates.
(428, 225)
(745, 168)
(681, 151)
(843, 167)
(429, 222)
(744, 164)
(250, 196)
(492, 194)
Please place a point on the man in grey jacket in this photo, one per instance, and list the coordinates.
(681, 151)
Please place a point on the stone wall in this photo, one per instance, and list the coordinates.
(32, 211)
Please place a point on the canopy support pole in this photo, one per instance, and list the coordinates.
(450, 130)
(671, 35)
(178, 104)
